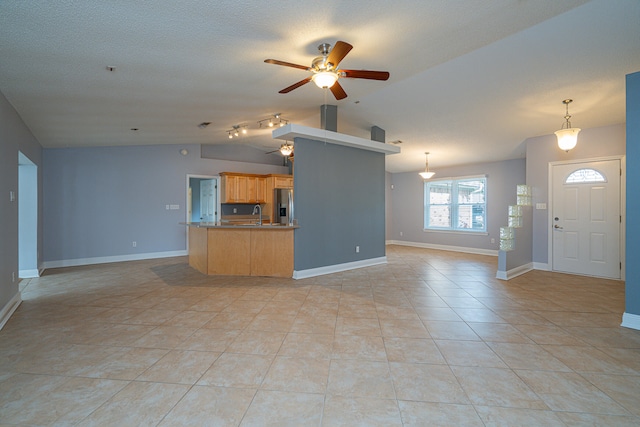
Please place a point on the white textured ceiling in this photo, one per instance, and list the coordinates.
(470, 80)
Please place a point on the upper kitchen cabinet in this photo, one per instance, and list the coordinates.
(242, 188)
(282, 181)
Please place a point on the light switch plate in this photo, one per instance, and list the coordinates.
(541, 206)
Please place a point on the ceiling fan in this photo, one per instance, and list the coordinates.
(325, 72)
(286, 150)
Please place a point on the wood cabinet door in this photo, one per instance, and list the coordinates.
(261, 190)
(227, 189)
(241, 189)
(283, 182)
(252, 190)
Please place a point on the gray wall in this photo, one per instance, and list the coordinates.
(521, 253)
(99, 200)
(407, 204)
(632, 286)
(339, 203)
(14, 137)
(592, 143)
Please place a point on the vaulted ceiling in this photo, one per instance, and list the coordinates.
(470, 80)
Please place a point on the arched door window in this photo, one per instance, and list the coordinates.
(582, 176)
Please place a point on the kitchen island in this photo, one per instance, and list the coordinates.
(241, 250)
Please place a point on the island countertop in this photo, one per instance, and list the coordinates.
(223, 224)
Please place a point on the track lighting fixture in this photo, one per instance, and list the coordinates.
(276, 119)
(236, 130)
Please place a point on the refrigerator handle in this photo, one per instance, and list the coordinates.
(290, 203)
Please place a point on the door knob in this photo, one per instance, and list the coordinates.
(557, 226)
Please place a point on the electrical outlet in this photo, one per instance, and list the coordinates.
(135, 244)
(235, 210)
(401, 234)
(493, 240)
(357, 249)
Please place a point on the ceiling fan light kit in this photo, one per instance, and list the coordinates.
(567, 135)
(325, 79)
(325, 72)
(286, 149)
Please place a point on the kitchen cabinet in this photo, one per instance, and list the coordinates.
(242, 188)
(282, 181)
(242, 251)
(251, 188)
(256, 189)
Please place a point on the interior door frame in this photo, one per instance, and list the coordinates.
(186, 197)
(623, 205)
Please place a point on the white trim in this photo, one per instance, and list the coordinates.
(108, 259)
(514, 272)
(630, 321)
(477, 251)
(28, 274)
(336, 268)
(292, 131)
(544, 266)
(9, 309)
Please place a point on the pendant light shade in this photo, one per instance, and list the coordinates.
(426, 174)
(567, 136)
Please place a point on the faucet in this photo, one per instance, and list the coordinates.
(258, 208)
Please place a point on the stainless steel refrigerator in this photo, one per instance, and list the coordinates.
(283, 206)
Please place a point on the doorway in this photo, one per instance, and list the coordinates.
(586, 217)
(203, 198)
(27, 218)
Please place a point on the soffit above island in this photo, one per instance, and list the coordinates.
(291, 131)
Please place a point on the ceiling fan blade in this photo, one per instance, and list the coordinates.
(286, 64)
(338, 53)
(295, 85)
(364, 74)
(338, 91)
(271, 152)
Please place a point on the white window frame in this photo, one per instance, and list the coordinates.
(453, 205)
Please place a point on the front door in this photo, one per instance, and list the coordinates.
(585, 218)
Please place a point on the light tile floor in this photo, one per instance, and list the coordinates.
(431, 338)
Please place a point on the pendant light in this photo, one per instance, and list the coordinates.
(567, 136)
(426, 174)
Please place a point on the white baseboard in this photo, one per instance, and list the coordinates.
(320, 271)
(541, 266)
(463, 249)
(631, 321)
(9, 308)
(28, 274)
(514, 272)
(108, 259)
